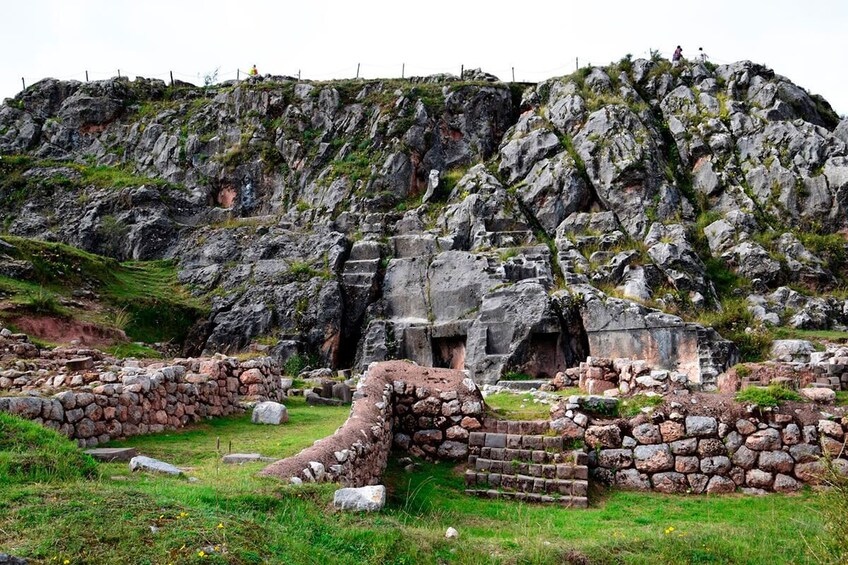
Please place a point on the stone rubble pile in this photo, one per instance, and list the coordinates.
(621, 376)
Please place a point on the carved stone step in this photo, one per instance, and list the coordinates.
(565, 501)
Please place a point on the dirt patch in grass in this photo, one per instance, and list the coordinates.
(62, 331)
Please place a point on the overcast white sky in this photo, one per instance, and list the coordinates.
(806, 41)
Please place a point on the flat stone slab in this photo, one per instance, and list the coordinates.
(313, 399)
(109, 454)
(142, 463)
(523, 385)
(240, 458)
(362, 499)
(79, 363)
(824, 395)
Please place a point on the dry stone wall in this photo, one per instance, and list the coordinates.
(132, 400)
(694, 453)
(428, 412)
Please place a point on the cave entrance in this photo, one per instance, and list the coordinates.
(546, 355)
(449, 352)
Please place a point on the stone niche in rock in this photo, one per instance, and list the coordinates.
(545, 355)
(449, 352)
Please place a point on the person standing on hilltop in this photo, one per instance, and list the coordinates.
(254, 72)
(678, 54)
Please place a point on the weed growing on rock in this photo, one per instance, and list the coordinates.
(769, 396)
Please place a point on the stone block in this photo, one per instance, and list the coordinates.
(362, 499)
(109, 454)
(271, 413)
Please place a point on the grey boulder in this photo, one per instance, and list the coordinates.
(362, 499)
(272, 413)
(143, 463)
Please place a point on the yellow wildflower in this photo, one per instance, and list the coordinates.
(221, 526)
(201, 553)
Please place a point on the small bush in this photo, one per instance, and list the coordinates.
(298, 363)
(742, 371)
(762, 397)
(30, 453)
(732, 322)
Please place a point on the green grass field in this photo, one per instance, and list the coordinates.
(232, 516)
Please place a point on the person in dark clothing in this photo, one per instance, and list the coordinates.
(678, 54)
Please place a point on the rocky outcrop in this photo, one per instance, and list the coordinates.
(458, 223)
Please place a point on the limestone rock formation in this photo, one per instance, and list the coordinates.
(461, 223)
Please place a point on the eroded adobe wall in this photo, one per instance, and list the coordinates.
(428, 412)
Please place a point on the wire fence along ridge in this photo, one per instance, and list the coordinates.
(353, 71)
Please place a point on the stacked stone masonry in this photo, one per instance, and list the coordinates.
(702, 454)
(611, 377)
(428, 412)
(529, 467)
(97, 406)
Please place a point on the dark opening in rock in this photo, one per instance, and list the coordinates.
(449, 352)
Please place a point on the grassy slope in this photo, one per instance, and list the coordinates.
(30, 453)
(156, 308)
(264, 521)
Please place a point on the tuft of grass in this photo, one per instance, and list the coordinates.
(628, 407)
(30, 453)
(135, 350)
(44, 302)
(762, 397)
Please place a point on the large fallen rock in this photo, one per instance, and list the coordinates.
(272, 413)
(791, 350)
(822, 395)
(362, 499)
(142, 463)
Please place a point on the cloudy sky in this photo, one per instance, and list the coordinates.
(806, 41)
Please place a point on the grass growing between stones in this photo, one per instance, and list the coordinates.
(521, 406)
(112, 519)
(771, 395)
